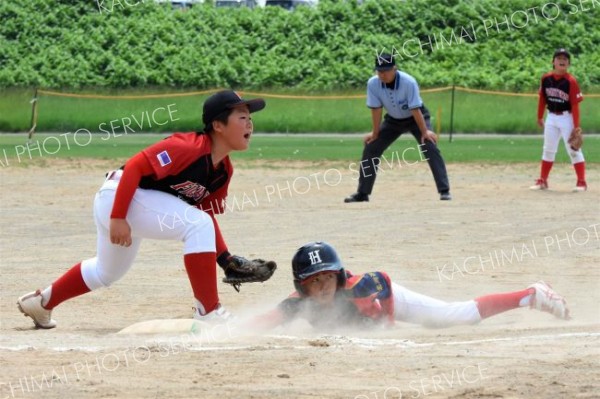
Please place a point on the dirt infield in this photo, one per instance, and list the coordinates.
(495, 236)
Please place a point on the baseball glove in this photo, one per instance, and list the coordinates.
(240, 270)
(576, 139)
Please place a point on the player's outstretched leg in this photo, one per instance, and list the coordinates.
(417, 308)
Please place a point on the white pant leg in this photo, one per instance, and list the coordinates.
(161, 216)
(565, 123)
(416, 308)
(552, 134)
(151, 214)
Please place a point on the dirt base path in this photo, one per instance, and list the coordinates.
(495, 236)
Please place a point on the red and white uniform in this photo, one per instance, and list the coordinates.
(166, 205)
(561, 95)
(169, 191)
(373, 297)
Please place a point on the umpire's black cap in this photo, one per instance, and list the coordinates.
(562, 51)
(223, 101)
(384, 62)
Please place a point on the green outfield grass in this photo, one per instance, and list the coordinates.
(281, 148)
(473, 113)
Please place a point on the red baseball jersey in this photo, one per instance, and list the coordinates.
(560, 92)
(183, 167)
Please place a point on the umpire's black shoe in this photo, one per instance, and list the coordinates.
(357, 197)
(445, 196)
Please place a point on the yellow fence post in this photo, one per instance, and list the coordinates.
(34, 115)
(439, 122)
(452, 113)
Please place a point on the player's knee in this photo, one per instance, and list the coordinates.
(108, 276)
(430, 147)
(98, 277)
(202, 232)
(200, 236)
(576, 156)
(370, 153)
(198, 223)
(200, 243)
(107, 279)
(549, 155)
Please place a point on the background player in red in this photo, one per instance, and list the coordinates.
(170, 190)
(560, 93)
(329, 296)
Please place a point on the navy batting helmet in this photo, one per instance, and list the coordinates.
(313, 258)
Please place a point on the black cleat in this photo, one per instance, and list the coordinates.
(445, 196)
(357, 197)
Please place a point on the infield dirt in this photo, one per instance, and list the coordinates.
(495, 236)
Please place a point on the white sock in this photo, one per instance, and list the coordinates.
(200, 307)
(46, 294)
(526, 301)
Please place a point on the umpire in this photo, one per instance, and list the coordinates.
(398, 93)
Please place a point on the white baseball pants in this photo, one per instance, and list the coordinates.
(412, 307)
(152, 214)
(555, 127)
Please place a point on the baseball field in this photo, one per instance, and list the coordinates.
(86, 85)
(495, 236)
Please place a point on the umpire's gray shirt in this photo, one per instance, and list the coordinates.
(397, 101)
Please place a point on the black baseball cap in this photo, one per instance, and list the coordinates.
(562, 51)
(225, 100)
(384, 62)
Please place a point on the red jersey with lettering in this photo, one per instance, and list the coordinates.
(561, 94)
(183, 167)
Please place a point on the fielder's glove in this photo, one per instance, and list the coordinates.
(240, 270)
(576, 139)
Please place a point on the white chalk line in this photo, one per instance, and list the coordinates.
(319, 341)
(536, 337)
(184, 349)
(409, 344)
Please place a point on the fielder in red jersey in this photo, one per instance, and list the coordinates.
(559, 92)
(169, 191)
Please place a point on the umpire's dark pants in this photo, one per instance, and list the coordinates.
(389, 131)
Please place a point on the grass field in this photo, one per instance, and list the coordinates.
(473, 113)
(484, 149)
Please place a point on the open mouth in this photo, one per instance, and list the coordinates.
(247, 135)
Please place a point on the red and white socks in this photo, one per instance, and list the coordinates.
(545, 170)
(202, 272)
(490, 305)
(546, 167)
(580, 172)
(68, 286)
(201, 269)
